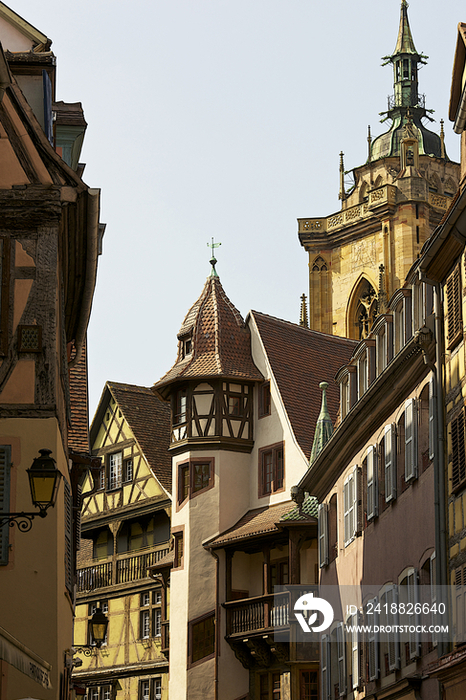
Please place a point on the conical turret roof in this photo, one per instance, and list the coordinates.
(324, 426)
(213, 341)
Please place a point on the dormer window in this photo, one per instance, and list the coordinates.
(186, 346)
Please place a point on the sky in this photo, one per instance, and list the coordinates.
(223, 119)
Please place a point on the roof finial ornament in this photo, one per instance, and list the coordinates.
(342, 193)
(303, 320)
(213, 260)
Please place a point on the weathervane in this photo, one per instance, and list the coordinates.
(213, 260)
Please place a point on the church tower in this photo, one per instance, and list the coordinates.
(360, 255)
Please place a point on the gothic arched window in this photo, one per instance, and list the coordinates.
(320, 296)
(362, 310)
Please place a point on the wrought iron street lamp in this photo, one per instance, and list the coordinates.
(44, 479)
(99, 624)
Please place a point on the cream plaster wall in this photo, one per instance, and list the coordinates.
(12, 39)
(36, 565)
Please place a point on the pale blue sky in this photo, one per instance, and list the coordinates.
(221, 118)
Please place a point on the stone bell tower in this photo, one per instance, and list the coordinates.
(398, 198)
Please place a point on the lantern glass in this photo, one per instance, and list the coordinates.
(43, 480)
(99, 624)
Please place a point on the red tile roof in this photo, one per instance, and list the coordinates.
(258, 521)
(221, 343)
(300, 359)
(78, 432)
(149, 419)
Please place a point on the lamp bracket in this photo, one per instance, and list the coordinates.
(23, 520)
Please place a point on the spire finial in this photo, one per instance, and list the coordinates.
(442, 140)
(303, 320)
(324, 427)
(213, 260)
(369, 143)
(342, 193)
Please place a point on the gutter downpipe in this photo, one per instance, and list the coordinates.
(217, 619)
(439, 453)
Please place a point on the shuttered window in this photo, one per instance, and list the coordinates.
(350, 504)
(390, 462)
(413, 615)
(68, 536)
(355, 651)
(431, 419)
(5, 465)
(454, 315)
(457, 448)
(410, 440)
(341, 650)
(325, 666)
(372, 490)
(322, 519)
(372, 622)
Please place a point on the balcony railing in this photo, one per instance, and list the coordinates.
(135, 568)
(132, 568)
(262, 612)
(93, 577)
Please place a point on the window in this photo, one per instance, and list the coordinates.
(181, 407)
(372, 483)
(350, 502)
(325, 667)
(390, 462)
(102, 692)
(454, 313)
(389, 617)
(410, 440)
(150, 614)
(103, 544)
(144, 532)
(409, 595)
(308, 686)
(114, 470)
(178, 547)
(264, 400)
(345, 397)
(271, 469)
(270, 686)
(341, 656)
(362, 375)
(279, 573)
(194, 477)
(150, 689)
(127, 470)
(432, 414)
(381, 349)
(5, 464)
(202, 638)
(457, 449)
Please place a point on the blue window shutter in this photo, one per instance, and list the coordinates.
(5, 465)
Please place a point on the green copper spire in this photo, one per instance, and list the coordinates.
(405, 61)
(405, 43)
(324, 427)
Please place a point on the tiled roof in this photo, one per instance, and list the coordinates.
(259, 521)
(78, 433)
(221, 343)
(300, 359)
(309, 509)
(149, 419)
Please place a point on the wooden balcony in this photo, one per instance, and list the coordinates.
(262, 613)
(123, 569)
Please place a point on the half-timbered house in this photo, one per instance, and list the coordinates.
(50, 237)
(125, 531)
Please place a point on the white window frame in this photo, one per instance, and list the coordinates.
(355, 649)
(350, 505)
(411, 437)
(322, 521)
(115, 464)
(390, 462)
(372, 483)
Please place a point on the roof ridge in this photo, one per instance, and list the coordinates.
(303, 329)
(139, 387)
